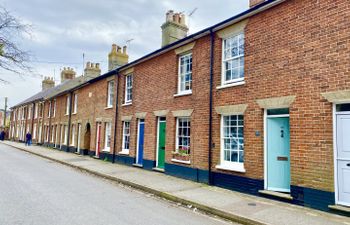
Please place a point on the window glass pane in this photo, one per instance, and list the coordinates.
(183, 135)
(233, 58)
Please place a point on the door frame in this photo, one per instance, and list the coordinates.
(265, 141)
(138, 137)
(79, 137)
(157, 147)
(335, 151)
(98, 139)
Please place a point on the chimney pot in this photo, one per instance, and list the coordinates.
(174, 28)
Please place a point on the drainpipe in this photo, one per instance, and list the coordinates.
(50, 131)
(69, 119)
(212, 39)
(116, 118)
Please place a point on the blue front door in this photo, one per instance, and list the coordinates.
(278, 154)
(141, 142)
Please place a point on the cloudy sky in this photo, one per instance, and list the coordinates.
(62, 31)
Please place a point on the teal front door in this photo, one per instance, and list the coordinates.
(278, 154)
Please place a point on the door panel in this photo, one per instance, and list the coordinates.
(343, 158)
(161, 145)
(278, 154)
(141, 143)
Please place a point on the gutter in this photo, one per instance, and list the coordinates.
(210, 143)
(115, 119)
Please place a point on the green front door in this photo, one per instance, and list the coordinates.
(161, 143)
(278, 156)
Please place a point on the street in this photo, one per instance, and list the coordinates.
(37, 191)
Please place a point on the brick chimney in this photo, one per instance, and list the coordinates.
(47, 83)
(174, 28)
(253, 3)
(67, 74)
(117, 57)
(92, 70)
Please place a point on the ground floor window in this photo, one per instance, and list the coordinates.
(183, 135)
(34, 131)
(107, 136)
(232, 142)
(65, 135)
(126, 136)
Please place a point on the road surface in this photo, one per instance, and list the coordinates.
(36, 191)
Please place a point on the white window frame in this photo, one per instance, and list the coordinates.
(30, 112)
(178, 136)
(126, 136)
(54, 108)
(49, 112)
(75, 107)
(110, 94)
(180, 75)
(73, 135)
(36, 106)
(34, 130)
(225, 82)
(128, 89)
(229, 165)
(67, 105)
(52, 133)
(108, 136)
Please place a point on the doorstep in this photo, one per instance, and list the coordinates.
(340, 208)
(158, 169)
(137, 165)
(275, 194)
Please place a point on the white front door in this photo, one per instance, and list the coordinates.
(343, 158)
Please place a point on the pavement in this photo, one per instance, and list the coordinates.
(234, 206)
(38, 191)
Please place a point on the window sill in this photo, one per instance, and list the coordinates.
(127, 103)
(123, 153)
(74, 113)
(239, 83)
(183, 94)
(105, 150)
(234, 168)
(109, 107)
(181, 161)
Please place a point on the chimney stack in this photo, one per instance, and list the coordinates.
(92, 70)
(117, 57)
(174, 28)
(47, 83)
(67, 74)
(253, 3)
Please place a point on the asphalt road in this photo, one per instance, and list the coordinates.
(36, 191)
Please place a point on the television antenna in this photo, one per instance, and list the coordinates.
(189, 18)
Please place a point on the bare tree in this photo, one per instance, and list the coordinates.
(12, 57)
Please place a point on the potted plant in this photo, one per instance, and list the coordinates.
(182, 154)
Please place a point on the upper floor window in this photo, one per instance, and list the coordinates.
(67, 105)
(36, 106)
(110, 94)
(75, 107)
(185, 74)
(233, 59)
(49, 111)
(128, 88)
(54, 108)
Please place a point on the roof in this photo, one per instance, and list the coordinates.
(81, 81)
